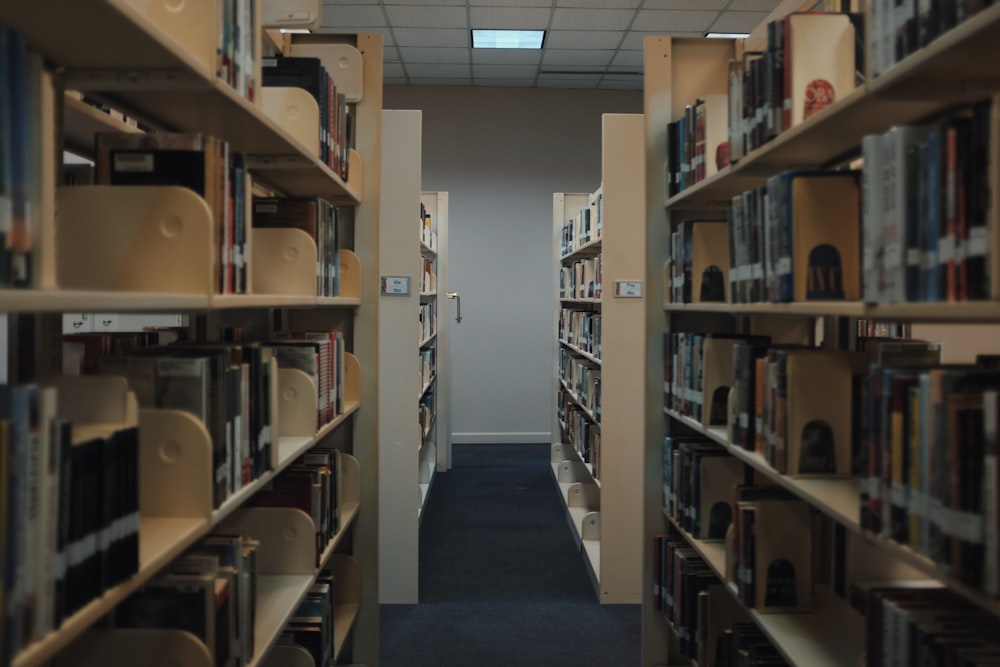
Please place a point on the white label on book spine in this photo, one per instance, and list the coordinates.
(976, 246)
(946, 249)
(745, 575)
(897, 495)
(758, 271)
(744, 420)
(134, 162)
(912, 257)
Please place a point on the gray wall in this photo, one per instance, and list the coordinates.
(500, 153)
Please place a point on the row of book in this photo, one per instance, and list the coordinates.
(336, 120)
(428, 320)
(428, 276)
(209, 591)
(428, 366)
(699, 262)
(580, 431)
(312, 624)
(926, 206)
(582, 330)
(319, 219)
(812, 59)
(427, 234)
(584, 228)
(930, 448)
(201, 163)
(711, 627)
(698, 479)
(582, 279)
(901, 27)
(236, 48)
(426, 411)
(696, 143)
(69, 526)
(21, 122)
(583, 380)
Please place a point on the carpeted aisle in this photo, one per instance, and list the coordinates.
(501, 580)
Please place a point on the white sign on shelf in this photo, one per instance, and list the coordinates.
(395, 285)
(628, 289)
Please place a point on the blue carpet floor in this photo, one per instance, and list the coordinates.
(501, 580)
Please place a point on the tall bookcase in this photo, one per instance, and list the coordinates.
(601, 509)
(159, 63)
(435, 449)
(924, 84)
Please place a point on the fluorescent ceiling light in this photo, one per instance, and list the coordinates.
(507, 39)
(727, 35)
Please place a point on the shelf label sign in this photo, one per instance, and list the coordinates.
(395, 285)
(628, 289)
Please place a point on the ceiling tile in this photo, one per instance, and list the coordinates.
(635, 40)
(510, 3)
(600, 4)
(627, 59)
(427, 17)
(578, 39)
(577, 57)
(753, 5)
(437, 71)
(688, 4)
(591, 19)
(506, 83)
(390, 70)
(507, 56)
(433, 54)
(431, 81)
(504, 71)
(575, 82)
(349, 16)
(436, 36)
(670, 22)
(738, 21)
(498, 18)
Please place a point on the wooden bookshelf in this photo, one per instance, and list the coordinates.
(602, 514)
(954, 69)
(435, 450)
(161, 69)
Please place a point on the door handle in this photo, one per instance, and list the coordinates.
(458, 299)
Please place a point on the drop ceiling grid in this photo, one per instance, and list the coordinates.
(588, 43)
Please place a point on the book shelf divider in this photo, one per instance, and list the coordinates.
(287, 538)
(193, 26)
(298, 398)
(343, 61)
(288, 655)
(96, 648)
(294, 109)
(283, 261)
(350, 274)
(135, 238)
(175, 465)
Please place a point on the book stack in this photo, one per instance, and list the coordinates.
(428, 276)
(236, 53)
(311, 484)
(201, 163)
(83, 353)
(428, 321)
(210, 591)
(584, 228)
(698, 481)
(694, 141)
(428, 366)
(926, 206)
(21, 170)
(583, 379)
(744, 645)
(579, 430)
(930, 434)
(680, 575)
(581, 280)
(70, 519)
(225, 385)
(427, 412)
(699, 262)
(311, 626)
(336, 132)
(901, 27)
(812, 60)
(771, 559)
(581, 329)
(316, 217)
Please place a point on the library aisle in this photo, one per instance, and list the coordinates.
(501, 580)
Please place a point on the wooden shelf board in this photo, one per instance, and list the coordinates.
(58, 300)
(235, 301)
(592, 550)
(345, 614)
(303, 177)
(427, 250)
(591, 249)
(427, 341)
(160, 541)
(233, 502)
(956, 67)
(838, 498)
(595, 302)
(348, 512)
(278, 596)
(81, 122)
(585, 355)
(338, 301)
(963, 311)
(426, 387)
(798, 309)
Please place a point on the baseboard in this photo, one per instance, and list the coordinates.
(504, 438)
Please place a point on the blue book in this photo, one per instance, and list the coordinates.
(930, 283)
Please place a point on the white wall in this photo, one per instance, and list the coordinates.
(500, 153)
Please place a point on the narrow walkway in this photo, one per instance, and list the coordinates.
(501, 581)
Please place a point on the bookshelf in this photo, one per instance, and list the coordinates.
(159, 66)
(597, 479)
(947, 72)
(435, 452)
